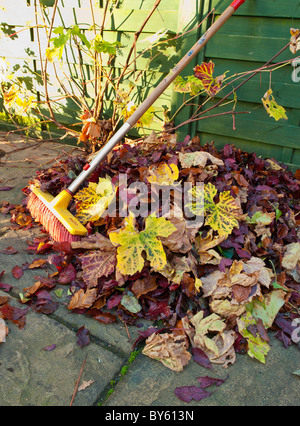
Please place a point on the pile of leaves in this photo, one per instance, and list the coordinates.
(212, 290)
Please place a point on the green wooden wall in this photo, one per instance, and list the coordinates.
(257, 31)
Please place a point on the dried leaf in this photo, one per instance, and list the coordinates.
(168, 349)
(85, 384)
(257, 347)
(3, 330)
(83, 299)
(291, 256)
(97, 264)
(295, 40)
(198, 158)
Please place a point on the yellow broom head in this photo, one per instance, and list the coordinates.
(53, 214)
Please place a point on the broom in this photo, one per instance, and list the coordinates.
(52, 212)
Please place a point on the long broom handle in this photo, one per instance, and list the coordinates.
(140, 111)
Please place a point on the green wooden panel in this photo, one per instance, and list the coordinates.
(267, 8)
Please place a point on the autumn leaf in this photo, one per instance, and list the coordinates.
(100, 262)
(17, 272)
(257, 347)
(83, 299)
(164, 174)
(204, 72)
(198, 158)
(269, 308)
(3, 330)
(168, 349)
(132, 243)
(271, 106)
(223, 216)
(291, 256)
(295, 40)
(93, 200)
(130, 303)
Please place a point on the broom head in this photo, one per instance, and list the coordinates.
(53, 214)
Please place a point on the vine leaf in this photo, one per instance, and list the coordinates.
(222, 216)
(273, 109)
(94, 200)
(204, 72)
(132, 243)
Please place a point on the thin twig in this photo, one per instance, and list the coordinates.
(78, 381)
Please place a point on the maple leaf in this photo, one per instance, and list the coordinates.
(204, 72)
(94, 200)
(132, 243)
(271, 106)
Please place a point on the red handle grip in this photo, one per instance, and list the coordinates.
(237, 3)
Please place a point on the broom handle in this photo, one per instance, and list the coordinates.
(140, 111)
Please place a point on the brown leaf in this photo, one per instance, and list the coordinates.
(37, 263)
(3, 330)
(168, 349)
(97, 264)
(143, 286)
(241, 293)
(178, 241)
(82, 299)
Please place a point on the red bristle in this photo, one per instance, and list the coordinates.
(40, 212)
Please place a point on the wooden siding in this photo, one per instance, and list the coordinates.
(257, 31)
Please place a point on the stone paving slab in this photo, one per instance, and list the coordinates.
(248, 382)
(31, 376)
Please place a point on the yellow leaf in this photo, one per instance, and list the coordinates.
(222, 216)
(94, 200)
(274, 110)
(164, 174)
(132, 243)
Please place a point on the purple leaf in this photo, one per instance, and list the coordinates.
(49, 348)
(187, 393)
(83, 338)
(5, 287)
(206, 381)
(6, 188)
(201, 358)
(67, 275)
